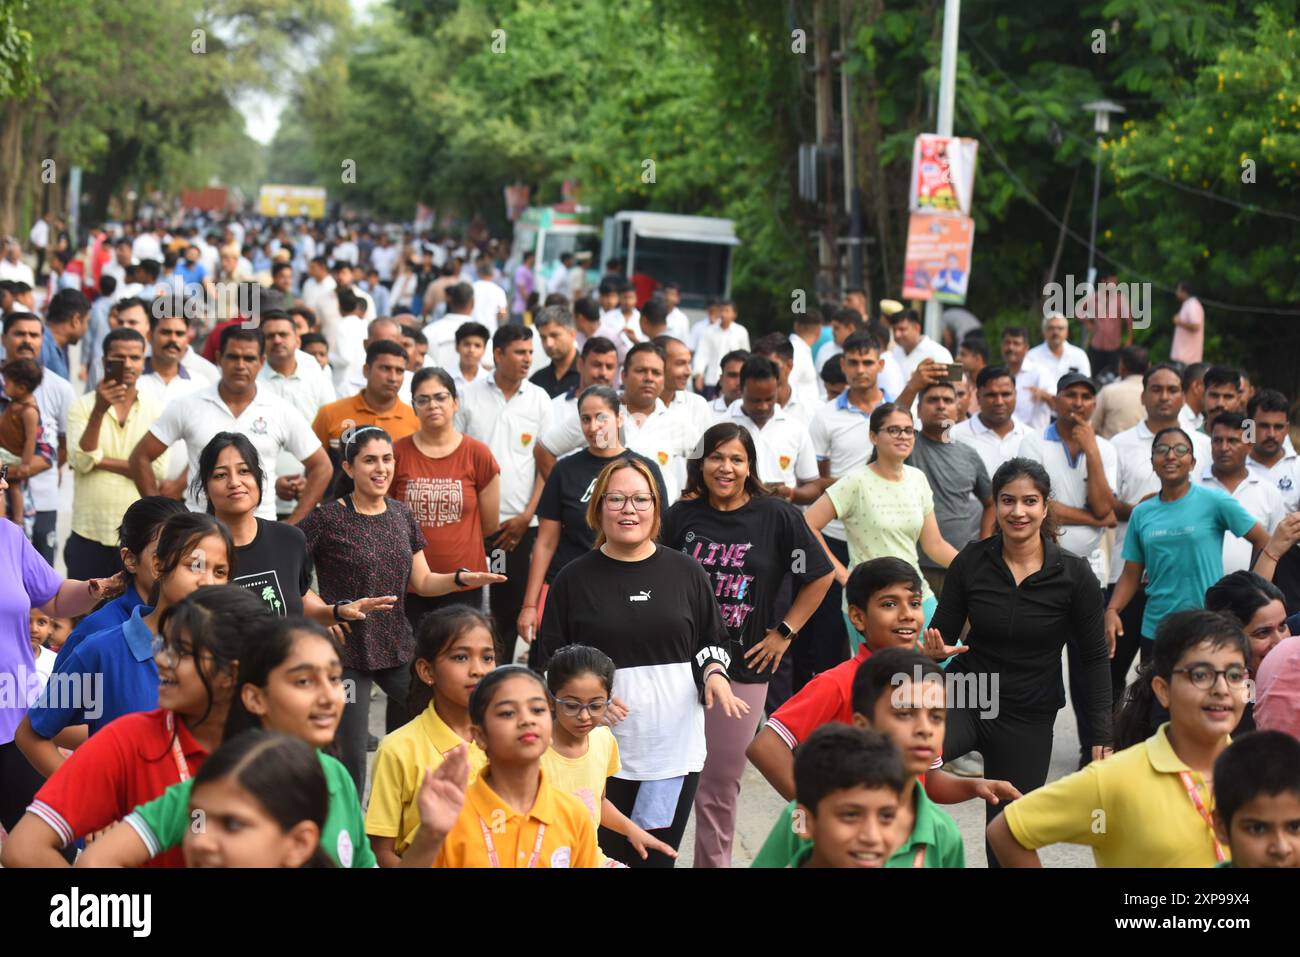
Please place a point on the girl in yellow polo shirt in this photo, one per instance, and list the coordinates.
(583, 752)
(511, 816)
(1150, 805)
(453, 652)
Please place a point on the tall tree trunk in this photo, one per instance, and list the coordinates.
(11, 160)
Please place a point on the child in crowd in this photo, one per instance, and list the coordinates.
(40, 630)
(454, 650)
(20, 425)
(1149, 805)
(291, 682)
(1257, 800)
(832, 376)
(60, 629)
(471, 344)
(314, 344)
(583, 752)
(511, 816)
(262, 801)
(900, 694)
(884, 605)
(849, 783)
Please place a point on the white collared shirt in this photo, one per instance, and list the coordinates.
(511, 429)
(306, 389)
(1034, 413)
(1071, 359)
(840, 433)
(54, 397)
(803, 374)
(1285, 477)
(1192, 421)
(270, 423)
(1136, 479)
(1257, 496)
(165, 393)
(489, 301)
(715, 343)
(679, 325)
(693, 409)
(785, 452)
(441, 334)
(927, 348)
(993, 449)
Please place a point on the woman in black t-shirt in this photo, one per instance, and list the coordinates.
(651, 609)
(562, 532)
(271, 557)
(748, 541)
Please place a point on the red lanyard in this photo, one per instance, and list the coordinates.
(178, 756)
(494, 861)
(1205, 815)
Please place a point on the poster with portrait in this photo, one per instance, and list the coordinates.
(937, 263)
(943, 174)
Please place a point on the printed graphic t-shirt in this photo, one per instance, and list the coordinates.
(275, 566)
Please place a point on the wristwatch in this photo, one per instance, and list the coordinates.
(786, 632)
(340, 604)
(456, 577)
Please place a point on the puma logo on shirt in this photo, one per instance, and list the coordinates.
(640, 596)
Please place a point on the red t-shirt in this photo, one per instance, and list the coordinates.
(129, 762)
(213, 343)
(443, 494)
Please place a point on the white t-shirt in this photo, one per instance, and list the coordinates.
(715, 343)
(1072, 359)
(785, 451)
(927, 348)
(489, 301)
(441, 334)
(993, 449)
(510, 428)
(1285, 475)
(269, 423)
(182, 384)
(841, 435)
(1137, 479)
(54, 397)
(1035, 414)
(1257, 496)
(1070, 487)
(803, 376)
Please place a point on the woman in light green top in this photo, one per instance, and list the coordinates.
(887, 507)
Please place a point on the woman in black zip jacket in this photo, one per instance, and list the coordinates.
(1025, 598)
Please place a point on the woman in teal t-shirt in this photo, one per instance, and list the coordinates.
(1176, 538)
(292, 684)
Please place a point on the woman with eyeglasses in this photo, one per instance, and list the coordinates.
(365, 543)
(1176, 538)
(451, 483)
(138, 756)
(652, 611)
(563, 533)
(887, 508)
(748, 541)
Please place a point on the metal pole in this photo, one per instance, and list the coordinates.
(852, 195)
(828, 252)
(1092, 232)
(947, 103)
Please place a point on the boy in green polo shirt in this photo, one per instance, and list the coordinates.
(849, 784)
(1257, 800)
(899, 693)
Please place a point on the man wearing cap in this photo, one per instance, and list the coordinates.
(1084, 469)
(1055, 353)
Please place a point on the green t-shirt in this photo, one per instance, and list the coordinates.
(883, 519)
(162, 822)
(932, 830)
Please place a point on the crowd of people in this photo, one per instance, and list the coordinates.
(599, 557)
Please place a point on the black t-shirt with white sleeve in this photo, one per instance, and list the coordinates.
(747, 552)
(657, 619)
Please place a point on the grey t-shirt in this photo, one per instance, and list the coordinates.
(960, 484)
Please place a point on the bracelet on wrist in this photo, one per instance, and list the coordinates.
(456, 577)
(1271, 555)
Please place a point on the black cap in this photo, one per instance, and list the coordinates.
(1075, 378)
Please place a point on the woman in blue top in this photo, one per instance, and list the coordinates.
(112, 673)
(1176, 538)
(137, 537)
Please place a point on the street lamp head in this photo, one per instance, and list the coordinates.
(1102, 110)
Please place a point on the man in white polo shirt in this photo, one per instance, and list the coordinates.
(1035, 386)
(993, 431)
(648, 427)
(508, 413)
(236, 404)
(786, 462)
(1162, 400)
(677, 395)
(912, 345)
(1272, 458)
(1083, 470)
(1055, 353)
(1227, 472)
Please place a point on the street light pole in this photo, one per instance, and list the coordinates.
(1101, 110)
(947, 103)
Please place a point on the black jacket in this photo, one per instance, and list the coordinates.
(1017, 632)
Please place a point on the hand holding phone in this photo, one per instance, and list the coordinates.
(113, 370)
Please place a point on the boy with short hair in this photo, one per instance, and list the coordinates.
(1257, 800)
(849, 782)
(471, 344)
(899, 693)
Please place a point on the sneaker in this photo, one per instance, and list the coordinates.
(967, 766)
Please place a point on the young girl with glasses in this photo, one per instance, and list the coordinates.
(1152, 804)
(583, 751)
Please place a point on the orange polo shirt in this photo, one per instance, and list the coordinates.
(556, 832)
(351, 413)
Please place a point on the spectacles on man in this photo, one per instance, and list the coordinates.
(617, 501)
(1205, 677)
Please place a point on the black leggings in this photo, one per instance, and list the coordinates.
(1127, 645)
(1016, 748)
(622, 794)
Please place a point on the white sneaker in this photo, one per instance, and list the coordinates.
(967, 766)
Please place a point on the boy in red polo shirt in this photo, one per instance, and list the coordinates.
(884, 604)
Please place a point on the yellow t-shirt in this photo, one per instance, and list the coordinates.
(403, 757)
(584, 777)
(1132, 809)
(489, 827)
